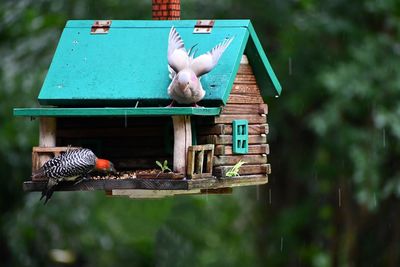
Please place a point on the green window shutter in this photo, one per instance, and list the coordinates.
(240, 141)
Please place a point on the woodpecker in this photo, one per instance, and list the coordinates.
(185, 70)
(73, 165)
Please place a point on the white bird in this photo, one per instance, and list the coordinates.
(185, 70)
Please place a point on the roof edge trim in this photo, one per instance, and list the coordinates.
(114, 112)
(264, 60)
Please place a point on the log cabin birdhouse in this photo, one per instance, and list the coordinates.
(106, 90)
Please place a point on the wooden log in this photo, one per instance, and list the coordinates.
(202, 147)
(221, 150)
(217, 191)
(244, 60)
(243, 180)
(47, 132)
(47, 137)
(245, 78)
(154, 194)
(264, 109)
(226, 129)
(244, 109)
(227, 139)
(251, 118)
(182, 141)
(245, 89)
(245, 81)
(245, 99)
(151, 194)
(221, 171)
(245, 69)
(232, 160)
(254, 129)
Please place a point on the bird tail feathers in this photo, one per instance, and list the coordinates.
(49, 189)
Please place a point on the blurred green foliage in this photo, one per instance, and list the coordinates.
(333, 195)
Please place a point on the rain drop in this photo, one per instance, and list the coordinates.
(270, 196)
(258, 192)
(383, 137)
(126, 120)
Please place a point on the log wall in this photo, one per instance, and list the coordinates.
(245, 102)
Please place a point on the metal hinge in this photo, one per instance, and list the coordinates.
(204, 26)
(100, 27)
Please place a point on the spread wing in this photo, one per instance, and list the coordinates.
(178, 57)
(206, 62)
(172, 73)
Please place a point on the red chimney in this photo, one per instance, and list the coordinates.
(166, 9)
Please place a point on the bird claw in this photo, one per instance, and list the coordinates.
(171, 105)
(196, 106)
(84, 178)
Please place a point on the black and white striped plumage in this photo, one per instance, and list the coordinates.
(73, 164)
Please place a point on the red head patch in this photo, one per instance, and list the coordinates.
(103, 164)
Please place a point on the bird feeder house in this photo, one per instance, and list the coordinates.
(106, 89)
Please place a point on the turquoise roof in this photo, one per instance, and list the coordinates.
(114, 111)
(129, 64)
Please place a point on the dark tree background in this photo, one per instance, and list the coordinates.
(333, 196)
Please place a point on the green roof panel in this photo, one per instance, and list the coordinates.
(114, 112)
(129, 63)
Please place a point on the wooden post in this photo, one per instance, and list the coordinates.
(47, 132)
(182, 141)
(47, 136)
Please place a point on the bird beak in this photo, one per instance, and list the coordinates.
(184, 87)
(113, 170)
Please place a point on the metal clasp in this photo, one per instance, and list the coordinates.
(100, 27)
(204, 26)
